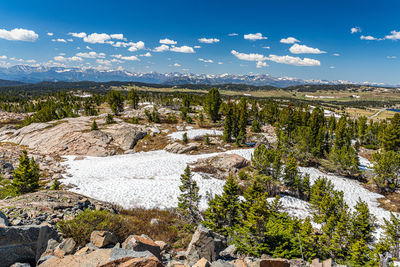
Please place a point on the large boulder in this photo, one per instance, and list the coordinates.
(180, 148)
(3, 219)
(205, 244)
(106, 258)
(221, 166)
(24, 243)
(103, 239)
(142, 243)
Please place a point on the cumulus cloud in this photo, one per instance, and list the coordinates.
(233, 34)
(303, 49)
(97, 38)
(394, 35)
(197, 46)
(177, 65)
(254, 36)
(336, 54)
(50, 34)
(208, 40)
(296, 61)
(168, 41)
(261, 64)
(206, 60)
(103, 62)
(59, 40)
(289, 40)
(129, 58)
(91, 54)
(78, 35)
(182, 49)
(136, 46)
(368, 38)
(148, 54)
(3, 57)
(118, 36)
(248, 57)
(355, 30)
(161, 48)
(88, 47)
(19, 35)
(267, 47)
(389, 57)
(65, 59)
(331, 67)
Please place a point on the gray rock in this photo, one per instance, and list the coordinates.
(119, 253)
(229, 252)
(142, 243)
(44, 258)
(221, 263)
(3, 219)
(20, 264)
(24, 243)
(180, 149)
(205, 244)
(68, 245)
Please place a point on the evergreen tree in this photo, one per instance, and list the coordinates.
(94, 126)
(360, 254)
(133, 97)
(242, 107)
(189, 199)
(387, 170)
(212, 104)
(267, 161)
(228, 123)
(392, 234)
(116, 101)
(362, 223)
(223, 212)
(291, 174)
(109, 119)
(256, 126)
(26, 176)
(185, 139)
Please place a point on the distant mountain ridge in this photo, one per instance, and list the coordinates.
(32, 74)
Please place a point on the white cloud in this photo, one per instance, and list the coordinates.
(50, 34)
(3, 57)
(233, 34)
(248, 57)
(289, 40)
(261, 64)
(91, 54)
(148, 54)
(177, 65)
(220, 63)
(161, 48)
(136, 46)
(368, 38)
(118, 36)
(332, 67)
(254, 36)
(88, 47)
(303, 49)
(129, 58)
(355, 30)
(103, 61)
(336, 54)
(389, 57)
(30, 61)
(78, 35)
(70, 40)
(59, 40)
(65, 59)
(97, 38)
(395, 35)
(182, 49)
(19, 35)
(197, 46)
(168, 41)
(296, 61)
(206, 60)
(267, 47)
(208, 40)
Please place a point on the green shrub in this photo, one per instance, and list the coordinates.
(109, 119)
(185, 138)
(81, 227)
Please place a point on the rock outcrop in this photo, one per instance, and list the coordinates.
(103, 239)
(72, 136)
(221, 165)
(24, 243)
(180, 148)
(205, 244)
(142, 243)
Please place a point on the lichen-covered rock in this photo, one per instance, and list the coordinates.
(221, 165)
(180, 148)
(142, 243)
(103, 239)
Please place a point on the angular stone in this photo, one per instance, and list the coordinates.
(140, 243)
(24, 243)
(103, 239)
(271, 263)
(3, 219)
(202, 263)
(204, 244)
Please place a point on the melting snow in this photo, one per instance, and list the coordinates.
(195, 133)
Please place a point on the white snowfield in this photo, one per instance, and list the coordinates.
(152, 179)
(144, 179)
(194, 133)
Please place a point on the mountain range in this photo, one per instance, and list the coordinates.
(33, 74)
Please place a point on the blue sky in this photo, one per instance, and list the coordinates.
(331, 39)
